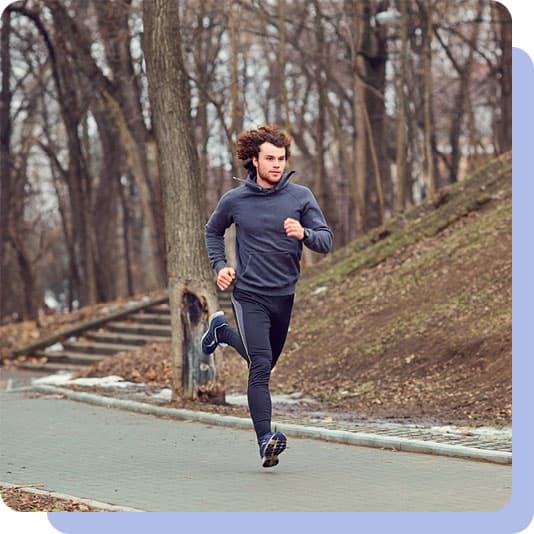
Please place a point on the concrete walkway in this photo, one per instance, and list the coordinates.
(156, 464)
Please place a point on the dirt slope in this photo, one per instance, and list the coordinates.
(425, 333)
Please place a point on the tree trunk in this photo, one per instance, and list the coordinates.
(322, 183)
(401, 163)
(20, 239)
(369, 71)
(504, 133)
(236, 114)
(73, 277)
(359, 174)
(191, 288)
(431, 183)
(200, 51)
(105, 220)
(27, 277)
(126, 246)
(5, 151)
(282, 64)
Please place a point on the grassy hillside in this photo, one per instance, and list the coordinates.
(414, 320)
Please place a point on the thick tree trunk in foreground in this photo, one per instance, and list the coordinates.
(191, 287)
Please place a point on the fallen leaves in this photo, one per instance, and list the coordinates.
(21, 500)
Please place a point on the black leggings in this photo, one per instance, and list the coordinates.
(262, 322)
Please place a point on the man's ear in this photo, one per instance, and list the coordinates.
(255, 161)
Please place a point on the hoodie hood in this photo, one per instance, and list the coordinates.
(253, 184)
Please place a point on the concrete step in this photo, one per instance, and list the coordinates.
(159, 309)
(67, 356)
(136, 340)
(225, 303)
(51, 366)
(136, 328)
(150, 318)
(95, 347)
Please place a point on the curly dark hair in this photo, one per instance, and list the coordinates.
(248, 142)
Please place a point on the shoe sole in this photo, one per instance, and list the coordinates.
(212, 316)
(275, 447)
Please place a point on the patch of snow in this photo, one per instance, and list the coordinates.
(132, 303)
(58, 379)
(236, 399)
(61, 379)
(51, 301)
(294, 398)
(480, 431)
(111, 308)
(104, 382)
(319, 290)
(54, 348)
(164, 394)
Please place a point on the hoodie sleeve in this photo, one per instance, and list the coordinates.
(321, 236)
(214, 232)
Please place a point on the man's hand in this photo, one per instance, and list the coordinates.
(225, 278)
(293, 228)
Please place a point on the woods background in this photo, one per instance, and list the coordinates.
(386, 101)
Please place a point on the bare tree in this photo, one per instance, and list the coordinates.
(191, 288)
(369, 72)
(282, 64)
(427, 11)
(504, 22)
(403, 192)
(5, 149)
(464, 72)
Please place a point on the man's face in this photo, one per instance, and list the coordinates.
(270, 165)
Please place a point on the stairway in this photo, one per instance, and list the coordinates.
(148, 325)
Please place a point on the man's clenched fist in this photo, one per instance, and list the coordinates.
(293, 228)
(225, 278)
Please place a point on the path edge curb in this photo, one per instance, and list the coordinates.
(104, 506)
(338, 436)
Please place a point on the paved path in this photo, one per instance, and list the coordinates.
(158, 464)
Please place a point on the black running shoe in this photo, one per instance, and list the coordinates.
(209, 339)
(271, 446)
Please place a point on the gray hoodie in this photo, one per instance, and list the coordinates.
(268, 262)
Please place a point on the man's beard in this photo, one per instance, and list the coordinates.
(268, 178)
